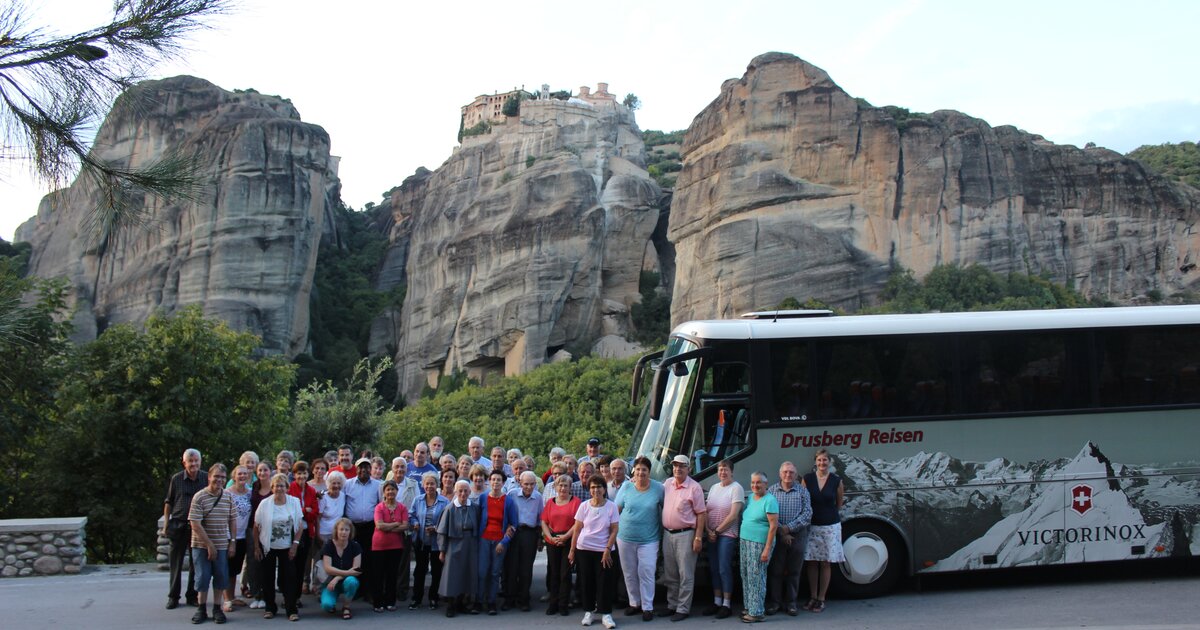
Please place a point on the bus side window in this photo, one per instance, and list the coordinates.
(789, 380)
(1153, 366)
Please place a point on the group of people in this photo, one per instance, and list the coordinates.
(342, 528)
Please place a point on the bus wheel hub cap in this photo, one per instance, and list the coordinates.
(866, 558)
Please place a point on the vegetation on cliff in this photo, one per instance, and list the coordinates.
(1178, 161)
(664, 162)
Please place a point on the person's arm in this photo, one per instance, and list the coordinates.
(232, 521)
(167, 503)
(442, 530)
(606, 559)
(698, 537)
(772, 524)
(574, 539)
(841, 495)
(298, 528)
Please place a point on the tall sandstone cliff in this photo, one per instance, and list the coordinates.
(244, 249)
(527, 241)
(792, 188)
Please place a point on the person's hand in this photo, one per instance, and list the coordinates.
(606, 559)
(332, 586)
(162, 532)
(500, 549)
(786, 539)
(430, 530)
(766, 556)
(697, 545)
(571, 556)
(292, 552)
(441, 556)
(212, 551)
(258, 554)
(712, 535)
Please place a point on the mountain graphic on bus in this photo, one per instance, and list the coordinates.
(998, 513)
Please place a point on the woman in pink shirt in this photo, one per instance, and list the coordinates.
(387, 545)
(592, 540)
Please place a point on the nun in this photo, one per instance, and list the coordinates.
(458, 537)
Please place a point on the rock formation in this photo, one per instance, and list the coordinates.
(244, 248)
(526, 242)
(792, 188)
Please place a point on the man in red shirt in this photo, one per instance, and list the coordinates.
(346, 461)
(683, 534)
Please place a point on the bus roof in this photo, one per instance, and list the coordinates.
(927, 323)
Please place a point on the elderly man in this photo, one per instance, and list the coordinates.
(345, 454)
(615, 466)
(362, 495)
(580, 488)
(795, 514)
(683, 509)
(421, 463)
(182, 488)
(407, 455)
(518, 563)
(437, 446)
(617, 476)
(498, 461)
(407, 492)
(475, 450)
(593, 451)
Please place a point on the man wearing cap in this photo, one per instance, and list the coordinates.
(362, 495)
(683, 508)
(593, 451)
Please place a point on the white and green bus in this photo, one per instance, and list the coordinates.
(965, 440)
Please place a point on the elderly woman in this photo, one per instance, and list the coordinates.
(387, 543)
(249, 459)
(332, 506)
(760, 518)
(725, 501)
(479, 479)
(424, 515)
(825, 532)
(558, 526)
(448, 462)
(240, 493)
(278, 524)
(458, 540)
(640, 504)
(464, 466)
(497, 523)
(592, 541)
(341, 558)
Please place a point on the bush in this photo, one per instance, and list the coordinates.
(512, 106)
(652, 316)
(324, 415)
(477, 130)
(1178, 161)
(950, 288)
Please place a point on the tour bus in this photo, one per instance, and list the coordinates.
(965, 440)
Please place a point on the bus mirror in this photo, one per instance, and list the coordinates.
(679, 369)
(638, 371)
(656, 393)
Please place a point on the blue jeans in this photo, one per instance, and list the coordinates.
(347, 586)
(720, 563)
(491, 565)
(215, 569)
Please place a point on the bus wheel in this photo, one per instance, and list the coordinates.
(874, 560)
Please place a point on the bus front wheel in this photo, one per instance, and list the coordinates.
(875, 559)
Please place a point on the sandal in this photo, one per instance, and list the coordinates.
(227, 606)
(346, 614)
(294, 617)
(818, 606)
(268, 615)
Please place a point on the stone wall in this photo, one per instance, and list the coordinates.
(42, 546)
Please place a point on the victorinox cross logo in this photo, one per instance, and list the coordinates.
(1081, 498)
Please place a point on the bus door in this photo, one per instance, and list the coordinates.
(721, 425)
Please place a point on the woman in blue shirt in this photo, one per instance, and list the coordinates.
(640, 504)
(424, 515)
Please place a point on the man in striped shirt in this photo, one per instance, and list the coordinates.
(213, 521)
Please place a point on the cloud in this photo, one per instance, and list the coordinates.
(1127, 128)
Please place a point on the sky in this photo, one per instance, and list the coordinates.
(386, 80)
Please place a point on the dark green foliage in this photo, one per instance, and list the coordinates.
(447, 384)
(186, 381)
(344, 300)
(560, 404)
(529, 161)
(1179, 161)
(904, 118)
(561, 95)
(476, 130)
(632, 101)
(652, 316)
(661, 164)
(512, 105)
(17, 255)
(950, 288)
(789, 304)
(324, 415)
(654, 138)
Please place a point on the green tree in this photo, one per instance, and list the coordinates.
(135, 400)
(1179, 161)
(632, 101)
(55, 89)
(324, 416)
(652, 316)
(512, 105)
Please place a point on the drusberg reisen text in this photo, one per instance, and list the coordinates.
(852, 440)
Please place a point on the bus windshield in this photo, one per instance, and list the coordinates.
(659, 440)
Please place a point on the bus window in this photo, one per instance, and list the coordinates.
(789, 379)
(886, 377)
(1152, 366)
(1021, 372)
(722, 425)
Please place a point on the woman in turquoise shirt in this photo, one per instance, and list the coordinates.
(640, 504)
(760, 517)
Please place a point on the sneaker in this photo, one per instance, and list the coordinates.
(201, 615)
(608, 622)
(258, 604)
(587, 619)
(647, 615)
(492, 609)
(414, 605)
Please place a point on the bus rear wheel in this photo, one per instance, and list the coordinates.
(875, 558)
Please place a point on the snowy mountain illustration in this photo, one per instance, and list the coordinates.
(1000, 513)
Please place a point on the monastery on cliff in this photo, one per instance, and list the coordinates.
(489, 107)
